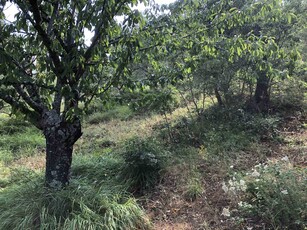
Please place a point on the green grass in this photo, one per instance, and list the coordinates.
(143, 161)
(81, 206)
(222, 130)
(194, 188)
(118, 112)
(93, 200)
(108, 170)
(18, 139)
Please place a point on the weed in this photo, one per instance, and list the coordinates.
(4, 175)
(276, 193)
(6, 156)
(17, 139)
(143, 160)
(194, 189)
(13, 125)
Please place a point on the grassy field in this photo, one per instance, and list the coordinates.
(224, 169)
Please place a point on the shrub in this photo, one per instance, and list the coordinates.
(143, 160)
(276, 193)
(289, 95)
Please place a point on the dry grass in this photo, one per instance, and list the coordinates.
(36, 162)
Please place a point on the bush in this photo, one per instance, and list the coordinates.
(80, 206)
(143, 160)
(276, 193)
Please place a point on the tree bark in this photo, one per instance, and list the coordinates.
(60, 138)
(218, 97)
(261, 96)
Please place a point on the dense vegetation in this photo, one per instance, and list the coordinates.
(186, 116)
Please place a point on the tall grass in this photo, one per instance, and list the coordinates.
(82, 205)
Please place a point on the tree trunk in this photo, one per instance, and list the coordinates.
(60, 138)
(261, 96)
(218, 97)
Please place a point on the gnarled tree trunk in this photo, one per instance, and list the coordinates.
(60, 137)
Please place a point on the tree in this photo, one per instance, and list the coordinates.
(219, 44)
(48, 69)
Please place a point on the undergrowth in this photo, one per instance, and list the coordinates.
(104, 174)
(84, 204)
(143, 162)
(223, 130)
(278, 195)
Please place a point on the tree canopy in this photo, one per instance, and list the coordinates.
(48, 69)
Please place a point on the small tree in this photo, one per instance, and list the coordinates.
(47, 68)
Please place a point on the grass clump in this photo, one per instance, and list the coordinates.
(194, 188)
(276, 193)
(80, 206)
(143, 161)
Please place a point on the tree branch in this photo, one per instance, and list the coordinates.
(36, 22)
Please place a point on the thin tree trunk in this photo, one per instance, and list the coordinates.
(60, 138)
(261, 96)
(218, 97)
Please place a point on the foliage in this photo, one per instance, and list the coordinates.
(225, 50)
(143, 161)
(50, 73)
(276, 194)
(151, 100)
(41, 79)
